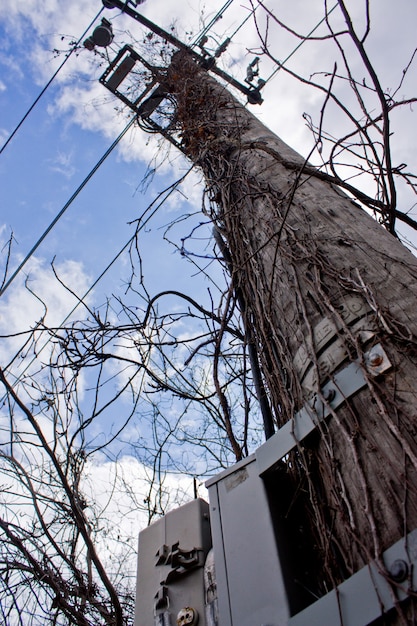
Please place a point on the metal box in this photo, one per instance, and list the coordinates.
(171, 557)
(250, 584)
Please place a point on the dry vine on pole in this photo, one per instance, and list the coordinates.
(315, 284)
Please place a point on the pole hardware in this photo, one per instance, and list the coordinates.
(181, 562)
(347, 382)
(330, 394)
(376, 360)
(368, 594)
(399, 571)
(162, 616)
(252, 92)
(118, 71)
(188, 616)
(118, 79)
(102, 36)
(217, 53)
(330, 345)
(109, 4)
(252, 72)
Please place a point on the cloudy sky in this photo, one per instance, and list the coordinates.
(76, 121)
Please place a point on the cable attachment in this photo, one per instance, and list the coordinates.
(252, 72)
(207, 61)
(222, 48)
(102, 36)
(109, 4)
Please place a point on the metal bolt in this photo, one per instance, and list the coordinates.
(329, 394)
(375, 359)
(398, 571)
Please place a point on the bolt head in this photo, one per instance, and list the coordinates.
(376, 359)
(398, 571)
(329, 394)
(187, 617)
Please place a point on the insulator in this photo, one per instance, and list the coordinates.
(222, 48)
(89, 44)
(103, 34)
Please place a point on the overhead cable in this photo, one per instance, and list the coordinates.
(249, 15)
(142, 222)
(49, 82)
(65, 207)
(281, 64)
(205, 30)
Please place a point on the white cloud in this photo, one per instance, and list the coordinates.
(122, 494)
(44, 294)
(42, 299)
(63, 164)
(38, 28)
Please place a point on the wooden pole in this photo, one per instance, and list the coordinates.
(324, 284)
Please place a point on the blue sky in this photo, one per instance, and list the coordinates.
(76, 121)
(51, 154)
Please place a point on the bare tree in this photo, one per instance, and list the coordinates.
(98, 381)
(361, 161)
(192, 388)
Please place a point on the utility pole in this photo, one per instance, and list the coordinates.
(323, 286)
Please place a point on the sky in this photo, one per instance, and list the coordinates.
(77, 120)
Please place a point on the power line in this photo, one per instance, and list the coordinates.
(244, 22)
(65, 207)
(153, 207)
(205, 30)
(92, 172)
(300, 44)
(99, 163)
(49, 83)
(96, 167)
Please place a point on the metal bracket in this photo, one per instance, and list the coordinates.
(180, 561)
(147, 102)
(343, 385)
(253, 93)
(369, 593)
(161, 602)
(119, 69)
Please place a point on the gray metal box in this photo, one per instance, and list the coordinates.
(250, 585)
(171, 557)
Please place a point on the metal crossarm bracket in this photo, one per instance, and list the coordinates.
(253, 93)
(148, 100)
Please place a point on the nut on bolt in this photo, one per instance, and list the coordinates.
(375, 359)
(329, 394)
(398, 571)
